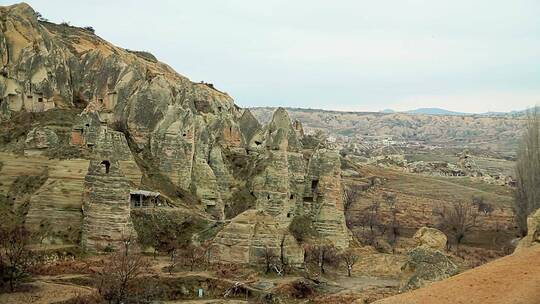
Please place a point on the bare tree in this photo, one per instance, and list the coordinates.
(483, 206)
(350, 196)
(269, 258)
(322, 253)
(349, 258)
(457, 220)
(527, 195)
(15, 257)
(193, 255)
(119, 274)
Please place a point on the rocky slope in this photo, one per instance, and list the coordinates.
(66, 93)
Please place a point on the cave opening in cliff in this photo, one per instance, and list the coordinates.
(107, 165)
(314, 184)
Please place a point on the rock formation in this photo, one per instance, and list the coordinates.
(532, 238)
(186, 140)
(252, 237)
(39, 139)
(425, 266)
(431, 238)
(106, 207)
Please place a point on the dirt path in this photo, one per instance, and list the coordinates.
(42, 292)
(513, 279)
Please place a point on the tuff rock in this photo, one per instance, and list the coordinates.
(532, 238)
(424, 266)
(431, 238)
(159, 131)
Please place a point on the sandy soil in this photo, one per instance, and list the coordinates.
(513, 279)
(42, 292)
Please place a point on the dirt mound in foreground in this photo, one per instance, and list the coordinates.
(513, 279)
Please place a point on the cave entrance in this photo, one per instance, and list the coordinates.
(107, 165)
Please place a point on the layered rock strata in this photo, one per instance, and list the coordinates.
(106, 206)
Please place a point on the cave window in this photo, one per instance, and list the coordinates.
(258, 143)
(291, 196)
(289, 214)
(107, 165)
(100, 100)
(29, 96)
(230, 129)
(219, 109)
(268, 196)
(40, 99)
(314, 184)
(87, 125)
(184, 134)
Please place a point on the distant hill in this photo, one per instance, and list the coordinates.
(495, 132)
(440, 111)
(435, 111)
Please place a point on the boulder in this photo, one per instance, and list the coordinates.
(424, 266)
(533, 233)
(41, 138)
(431, 238)
(251, 236)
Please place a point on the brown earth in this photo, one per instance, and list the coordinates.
(42, 292)
(512, 279)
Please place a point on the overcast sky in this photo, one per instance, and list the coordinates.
(462, 55)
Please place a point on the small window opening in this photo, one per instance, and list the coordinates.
(219, 109)
(100, 100)
(29, 96)
(107, 165)
(88, 125)
(289, 214)
(314, 184)
(40, 99)
(268, 196)
(184, 134)
(258, 143)
(292, 196)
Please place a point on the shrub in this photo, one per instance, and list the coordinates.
(90, 29)
(301, 228)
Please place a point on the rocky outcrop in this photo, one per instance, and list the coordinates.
(424, 266)
(532, 239)
(431, 238)
(147, 120)
(106, 206)
(278, 186)
(323, 197)
(39, 139)
(253, 236)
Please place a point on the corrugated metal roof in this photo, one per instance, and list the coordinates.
(145, 193)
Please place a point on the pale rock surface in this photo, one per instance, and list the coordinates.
(424, 266)
(246, 238)
(431, 238)
(532, 239)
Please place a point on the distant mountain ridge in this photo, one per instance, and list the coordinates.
(441, 111)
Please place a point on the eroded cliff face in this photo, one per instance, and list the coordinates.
(159, 131)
